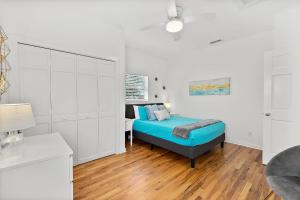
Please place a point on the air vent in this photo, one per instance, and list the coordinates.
(215, 41)
(246, 3)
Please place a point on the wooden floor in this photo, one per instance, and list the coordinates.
(234, 172)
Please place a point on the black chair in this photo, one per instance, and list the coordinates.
(283, 173)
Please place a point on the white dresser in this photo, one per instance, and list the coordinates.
(41, 167)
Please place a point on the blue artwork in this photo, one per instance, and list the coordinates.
(210, 87)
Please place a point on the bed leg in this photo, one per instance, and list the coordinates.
(222, 145)
(151, 146)
(193, 162)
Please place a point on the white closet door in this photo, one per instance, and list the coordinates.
(107, 135)
(87, 140)
(73, 95)
(35, 86)
(87, 94)
(63, 97)
(68, 130)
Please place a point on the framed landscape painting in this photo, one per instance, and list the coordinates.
(219, 86)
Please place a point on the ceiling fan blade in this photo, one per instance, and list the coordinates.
(189, 19)
(172, 9)
(243, 4)
(152, 26)
(203, 16)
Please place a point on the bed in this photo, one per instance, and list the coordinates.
(159, 133)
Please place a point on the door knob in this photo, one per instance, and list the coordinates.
(268, 114)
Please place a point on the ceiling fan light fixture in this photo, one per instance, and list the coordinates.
(174, 26)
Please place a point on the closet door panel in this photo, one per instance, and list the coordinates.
(63, 85)
(36, 90)
(63, 93)
(63, 62)
(87, 87)
(34, 57)
(106, 72)
(87, 65)
(107, 95)
(35, 86)
(106, 68)
(107, 137)
(63, 97)
(87, 139)
(68, 130)
(87, 94)
(39, 129)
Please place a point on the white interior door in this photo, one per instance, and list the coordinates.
(63, 97)
(107, 135)
(87, 90)
(280, 103)
(35, 86)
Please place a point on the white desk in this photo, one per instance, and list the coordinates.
(40, 167)
(128, 127)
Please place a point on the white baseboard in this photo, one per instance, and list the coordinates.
(245, 144)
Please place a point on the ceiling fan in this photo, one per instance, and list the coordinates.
(176, 20)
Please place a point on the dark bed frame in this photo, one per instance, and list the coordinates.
(189, 152)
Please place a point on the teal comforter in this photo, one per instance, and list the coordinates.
(164, 129)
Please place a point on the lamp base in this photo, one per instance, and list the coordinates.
(13, 137)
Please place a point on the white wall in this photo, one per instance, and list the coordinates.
(140, 62)
(242, 60)
(65, 26)
(3, 98)
(287, 28)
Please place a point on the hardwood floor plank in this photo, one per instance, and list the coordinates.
(234, 172)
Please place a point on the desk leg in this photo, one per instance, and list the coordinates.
(131, 137)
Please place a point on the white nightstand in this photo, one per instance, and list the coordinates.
(128, 127)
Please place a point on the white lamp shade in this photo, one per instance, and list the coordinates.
(168, 105)
(15, 117)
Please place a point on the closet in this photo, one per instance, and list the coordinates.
(71, 94)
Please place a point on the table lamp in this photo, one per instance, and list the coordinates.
(14, 118)
(168, 105)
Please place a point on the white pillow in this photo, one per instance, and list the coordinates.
(136, 112)
(162, 114)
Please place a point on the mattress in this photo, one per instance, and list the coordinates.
(164, 129)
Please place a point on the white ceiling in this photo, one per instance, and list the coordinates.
(233, 20)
